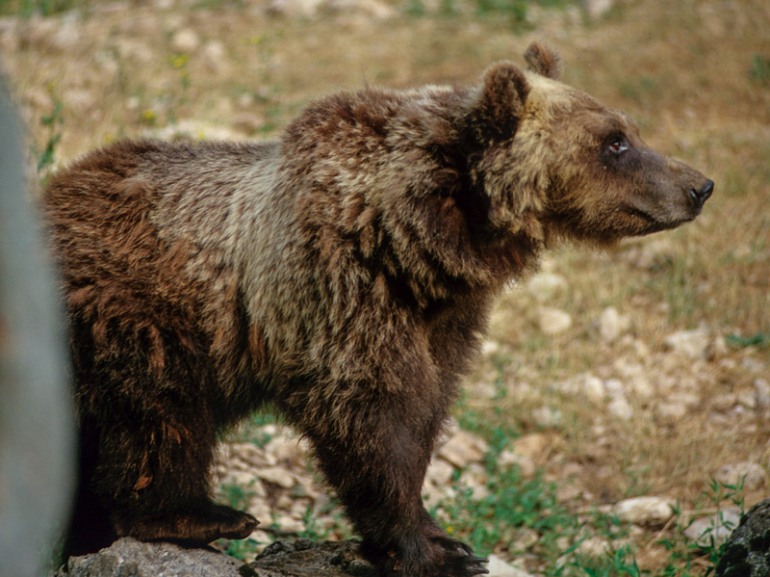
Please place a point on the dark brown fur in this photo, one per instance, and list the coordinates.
(343, 274)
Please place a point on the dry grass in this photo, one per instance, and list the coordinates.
(690, 72)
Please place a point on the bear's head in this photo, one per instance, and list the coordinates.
(556, 163)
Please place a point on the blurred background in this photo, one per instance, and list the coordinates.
(643, 371)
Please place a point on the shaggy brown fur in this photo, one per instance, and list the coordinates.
(342, 273)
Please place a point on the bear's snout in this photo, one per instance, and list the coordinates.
(699, 196)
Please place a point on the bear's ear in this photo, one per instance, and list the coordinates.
(501, 102)
(543, 60)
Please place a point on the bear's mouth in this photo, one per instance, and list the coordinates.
(653, 223)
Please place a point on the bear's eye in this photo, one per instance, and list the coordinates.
(617, 145)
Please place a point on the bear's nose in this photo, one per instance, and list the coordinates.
(700, 196)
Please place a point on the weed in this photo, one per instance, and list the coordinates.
(618, 562)
(236, 496)
(52, 124)
(338, 528)
(759, 72)
(761, 340)
(514, 9)
(241, 549)
(28, 8)
(718, 494)
(179, 62)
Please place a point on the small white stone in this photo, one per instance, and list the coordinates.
(621, 408)
(593, 388)
(713, 530)
(287, 524)
(612, 325)
(185, 41)
(489, 347)
(439, 473)
(594, 547)
(215, 56)
(762, 393)
(534, 446)
(547, 417)
(752, 475)
(545, 285)
(671, 410)
(286, 448)
(598, 8)
(645, 510)
(277, 476)
(693, 344)
(525, 464)
(462, 449)
(554, 321)
(296, 8)
(499, 568)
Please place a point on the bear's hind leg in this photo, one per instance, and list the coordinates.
(194, 523)
(153, 475)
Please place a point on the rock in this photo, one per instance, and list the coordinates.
(547, 417)
(374, 9)
(525, 464)
(645, 510)
(295, 8)
(287, 448)
(545, 285)
(439, 473)
(693, 344)
(746, 553)
(131, 558)
(593, 388)
(462, 449)
(670, 410)
(215, 56)
(554, 321)
(595, 9)
(762, 393)
(751, 475)
(635, 377)
(279, 476)
(620, 408)
(289, 524)
(594, 547)
(250, 455)
(185, 41)
(612, 325)
(536, 446)
(713, 531)
(304, 558)
(499, 568)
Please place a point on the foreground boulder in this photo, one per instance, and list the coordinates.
(131, 558)
(747, 553)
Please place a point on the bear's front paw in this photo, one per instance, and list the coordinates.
(459, 560)
(444, 558)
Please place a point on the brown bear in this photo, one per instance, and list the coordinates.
(341, 274)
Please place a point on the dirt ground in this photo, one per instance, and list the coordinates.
(641, 371)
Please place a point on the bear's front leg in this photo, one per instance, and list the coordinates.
(378, 468)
